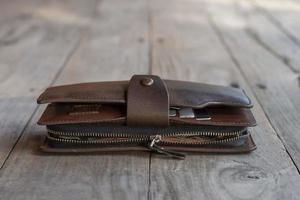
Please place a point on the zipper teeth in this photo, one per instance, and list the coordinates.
(97, 141)
(205, 142)
(185, 133)
(237, 137)
(142, 140)
(139, 138)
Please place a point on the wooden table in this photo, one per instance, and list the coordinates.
(253, 44)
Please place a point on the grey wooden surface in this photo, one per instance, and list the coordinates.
(254, 44)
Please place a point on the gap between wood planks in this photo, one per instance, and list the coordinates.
(275, 22)
(279, 26)
(150, 71)
(289, 37)
(150, 62)
(260, 42)
(111, 45)
(186, 47)
(219, 34)
(238, 65)
(64, 64)
(150, 38)
(31, 54)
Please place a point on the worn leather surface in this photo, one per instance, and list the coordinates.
(116, 114)
(147, 105)
(181, 93)
(66, 114)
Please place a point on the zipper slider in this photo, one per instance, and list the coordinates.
(162, 150)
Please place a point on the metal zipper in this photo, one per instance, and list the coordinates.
(152, 141)
(122, 135)
(78, 140)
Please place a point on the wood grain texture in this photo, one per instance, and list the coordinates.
(68, 41)
(274, 84)
(114, 46)
(186, 47)
(284, 15)
(32, 52)
(268, 34)
(29, 174)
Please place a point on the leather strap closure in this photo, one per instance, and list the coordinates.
(147, 101)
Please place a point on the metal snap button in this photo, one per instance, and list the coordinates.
(147, 81)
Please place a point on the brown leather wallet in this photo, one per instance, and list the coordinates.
(147, 113)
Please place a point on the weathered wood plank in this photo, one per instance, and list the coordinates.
(269, 35)
(285, 15)
(32, 52)
(186, 47)
(274, 84)
(114, 46)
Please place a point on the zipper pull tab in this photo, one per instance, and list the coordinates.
(161, 150)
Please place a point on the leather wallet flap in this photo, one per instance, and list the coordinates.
(181, 94)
